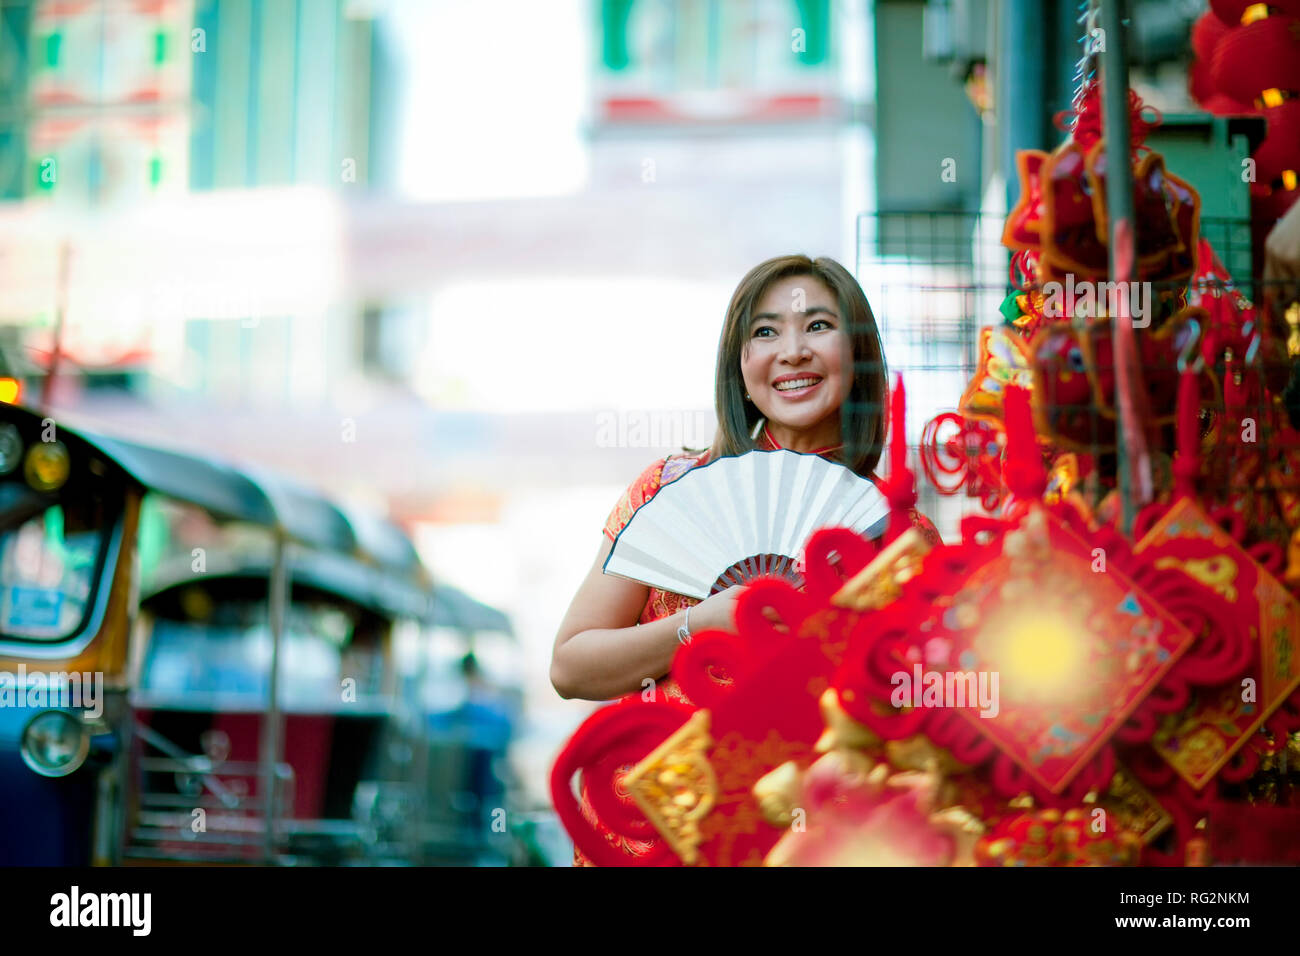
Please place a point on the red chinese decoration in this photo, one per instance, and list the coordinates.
(1048, 690)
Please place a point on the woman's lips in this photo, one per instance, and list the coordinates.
(794, 394)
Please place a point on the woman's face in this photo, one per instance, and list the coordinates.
(796, 362)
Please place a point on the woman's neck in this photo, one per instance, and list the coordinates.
(806, 442)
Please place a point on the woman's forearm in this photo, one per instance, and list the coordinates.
(605, 663)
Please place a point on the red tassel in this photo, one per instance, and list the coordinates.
(1084, 119)
(1187, 466)
(1136, 429)
(900, 489)
(1022, 468)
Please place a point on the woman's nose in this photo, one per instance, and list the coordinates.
(794, 348)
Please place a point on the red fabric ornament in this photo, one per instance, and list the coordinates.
(1206, 34)
(1254, 632)
(1231, 12)
(1022, 471)
(1207, 31)
(933, 618)
(1084, 121)
(1060, 216)
(1166, 631)
(853, 819)
(900, 487)
(1053, 838)
(1260, 56)
(969, 458)
(1248, 61)
(1254, 835)
(1265, 211)
(602, 749)
(1023, 226)
(747, 735)
(1280, 150)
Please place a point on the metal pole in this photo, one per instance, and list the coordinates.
(422, 829)
(1133, 456)
(1021, 85)
(277, 601)
(60, 310)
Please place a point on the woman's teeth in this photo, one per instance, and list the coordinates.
(796, 383)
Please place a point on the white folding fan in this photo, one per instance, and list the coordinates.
(739, 518)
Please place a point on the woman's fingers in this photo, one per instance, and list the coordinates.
(724, 603)
(773, 617)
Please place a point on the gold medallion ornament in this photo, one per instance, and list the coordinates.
(778, 792)
(1133, 806)
(880, 582)
(851, 809)
(676, 787)
(842, 731)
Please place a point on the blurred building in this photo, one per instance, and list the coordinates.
(284, 96)
(115, 105)
(128, 98)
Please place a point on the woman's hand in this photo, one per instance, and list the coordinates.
(602, 653)
(718, 612)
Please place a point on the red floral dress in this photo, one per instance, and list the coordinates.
(660, 604)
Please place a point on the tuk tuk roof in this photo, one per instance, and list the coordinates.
(386, 543)
(199, 481)
(364, 584)
(253, 495)
(456, 609)
(247, 494)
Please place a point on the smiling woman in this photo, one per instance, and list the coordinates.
(800, 358)
(800, 366)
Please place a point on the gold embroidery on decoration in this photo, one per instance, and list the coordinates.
(1254, 12)
(880, 582)
(1134, 806)
(1216, 573)
(675, 786)
(778, 794)
(841, 729)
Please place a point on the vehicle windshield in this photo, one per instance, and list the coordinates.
(178, 540)
(208, 641)
(217, 655)
(52, 551)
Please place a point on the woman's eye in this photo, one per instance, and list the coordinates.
(820, 322)
(762, 329)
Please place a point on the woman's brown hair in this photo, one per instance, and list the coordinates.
(862, 416)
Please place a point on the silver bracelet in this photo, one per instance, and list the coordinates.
(684, 630)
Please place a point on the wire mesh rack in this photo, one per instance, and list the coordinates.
(936, 278)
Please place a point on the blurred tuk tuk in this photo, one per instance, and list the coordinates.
(472, 699)
(202, 664)
(349, 741)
